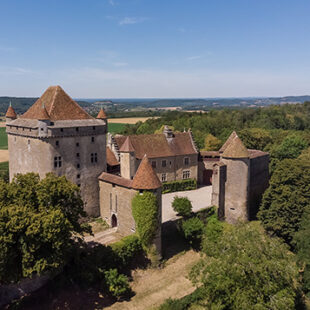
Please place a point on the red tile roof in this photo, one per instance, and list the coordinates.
(115, 179)
(101, 114)
(10, 113)
(228, 141)
(236, 149)
(59, 106)
(145, 177)
(156, 145)
(127, 146)
(111, 159)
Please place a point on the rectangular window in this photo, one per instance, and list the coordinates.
(95, 157)
(77, 155)
(94, 128)
(163, 163)
(164, 177)
(78, 176)
(77, 144)
(77, 129)
(57, 143)
(116, 203)
(61, 130)
(186, 174)
(92, 157)
(78, 166)
(186, 161)
(57, 161)
(154, 164)
(92, 139)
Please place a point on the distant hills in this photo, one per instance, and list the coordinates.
(21, 104)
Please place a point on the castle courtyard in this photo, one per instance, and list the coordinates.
(200, 199)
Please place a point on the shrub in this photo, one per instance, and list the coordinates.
(145, 214)
(127, 249)
(193, 230)
(182, 206)
(116, 283)
(177, 186)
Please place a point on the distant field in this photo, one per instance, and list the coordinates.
(128, 120)
(115, 127)
(3, 139)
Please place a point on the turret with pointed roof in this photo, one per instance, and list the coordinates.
(236, 149)
(101, 114)
(145, 178)
(127, 146)
(10, 113)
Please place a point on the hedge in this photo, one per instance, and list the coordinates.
(177, 186)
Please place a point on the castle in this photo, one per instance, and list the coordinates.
(57, 135)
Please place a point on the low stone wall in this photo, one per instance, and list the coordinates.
(11, 292)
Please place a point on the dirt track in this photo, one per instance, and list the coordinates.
(4, 155)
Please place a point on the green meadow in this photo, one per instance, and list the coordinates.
(3, 139)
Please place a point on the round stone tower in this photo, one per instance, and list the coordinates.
(236, 159)
(146, 180)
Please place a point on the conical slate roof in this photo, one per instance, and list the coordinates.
(59, 106)
(228, 141)
(101, 114)
(145, 177)
(127, 146)
(236, 149)
(10, 113)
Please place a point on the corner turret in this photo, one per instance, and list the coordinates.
(10, 114)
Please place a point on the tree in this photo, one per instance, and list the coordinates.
(286, 198)
(255, 138)
(161, 129)
(145, 214)
(192, 229)
(212, 143)
(117, 283)
(302, 241)
(182, 206)
(36, 232)
(246, 269)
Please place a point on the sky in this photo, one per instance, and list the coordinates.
(155, 48)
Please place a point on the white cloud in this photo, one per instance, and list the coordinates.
(131, 20)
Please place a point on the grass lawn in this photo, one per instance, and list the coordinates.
(115, 127)
(3, 139)
(4, 166)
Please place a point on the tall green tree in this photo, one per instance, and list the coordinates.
(287, 197)
(246, 269)
(38, 222)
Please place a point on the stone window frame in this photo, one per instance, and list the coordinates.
(164, 177)
(186, 174)
(57, 161)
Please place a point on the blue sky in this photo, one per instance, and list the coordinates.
(155, 48)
